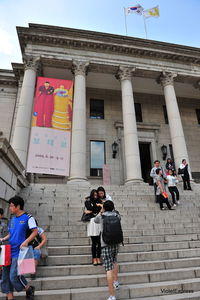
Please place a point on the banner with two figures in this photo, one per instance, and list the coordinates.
(49, 148)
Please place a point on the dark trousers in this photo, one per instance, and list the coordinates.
(173, 190)
(186, 182)
(96, 246)
(162, 200)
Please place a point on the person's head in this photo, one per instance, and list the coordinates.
(108, 205)
(169, 160)
(158, 171)
(1, 213)
(46, 84)
(157, 163)
(16, 204)
(184, 161)
(93, 194)
(101, 192)
(62, 86)
(171, 172)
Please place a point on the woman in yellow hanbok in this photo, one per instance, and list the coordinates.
(62, 115)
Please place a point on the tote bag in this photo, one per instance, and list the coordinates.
(26, 262)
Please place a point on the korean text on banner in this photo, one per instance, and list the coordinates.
(49, 149)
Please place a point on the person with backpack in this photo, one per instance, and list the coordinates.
(111, 238)
(18, 227)
(39, 242)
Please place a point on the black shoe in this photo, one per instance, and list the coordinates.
(30, 292)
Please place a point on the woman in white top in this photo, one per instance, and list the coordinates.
(171, 182)
(185, 173)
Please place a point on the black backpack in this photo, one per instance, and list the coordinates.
(37, 240)
(112, 230)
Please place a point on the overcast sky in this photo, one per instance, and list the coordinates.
(178, 23)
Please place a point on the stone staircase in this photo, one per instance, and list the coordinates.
(160, 259)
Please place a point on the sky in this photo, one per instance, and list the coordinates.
(178, 23)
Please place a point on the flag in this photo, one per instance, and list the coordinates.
(151, 12)
(137, 9)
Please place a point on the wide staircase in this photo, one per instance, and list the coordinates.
(160, 258)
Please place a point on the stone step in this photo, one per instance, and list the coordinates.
(129, 291)
(99, 280)
(127, 240)
(173, 295)
(123, 267)
(127, 257)
(71, 250)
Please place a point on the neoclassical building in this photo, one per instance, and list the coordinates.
(135, 100)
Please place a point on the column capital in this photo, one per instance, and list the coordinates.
(166, 78)
(124, 73)
(31, 62)
(80, 67)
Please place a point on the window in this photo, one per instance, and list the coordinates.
(96, 109)
(198, 115)
(165, 114)
(97, 158)
(138, 112)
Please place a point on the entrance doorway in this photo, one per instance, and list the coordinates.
(145, 159)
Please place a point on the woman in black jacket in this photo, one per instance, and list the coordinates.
(93, 229)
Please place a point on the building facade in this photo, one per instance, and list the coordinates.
(131, 97)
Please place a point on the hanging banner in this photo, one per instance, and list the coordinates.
(49, 149)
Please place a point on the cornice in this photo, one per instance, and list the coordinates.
(107, 43)
(7, 78)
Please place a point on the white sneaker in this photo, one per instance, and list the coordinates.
(174, 205)
(112, 298)
(116, 285)
(178, 202)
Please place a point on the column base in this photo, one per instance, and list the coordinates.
(135, 181)
(76, 181)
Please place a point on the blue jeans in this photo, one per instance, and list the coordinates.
(11, 280)
(37, 254)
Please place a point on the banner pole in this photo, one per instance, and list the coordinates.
(125, 20)
(145, 26)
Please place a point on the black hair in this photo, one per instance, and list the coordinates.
(108, 205)
(101, 189)
(183, 160)
(169, 159)
(156, 161)
(16, 200)
(1, 211)
(47, 82)
(157, 171)
(92, 193)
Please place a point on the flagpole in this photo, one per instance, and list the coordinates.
(145, 26)
(125, 20)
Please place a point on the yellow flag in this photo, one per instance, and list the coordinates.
(151, 12)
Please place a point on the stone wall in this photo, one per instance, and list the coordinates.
(12, 178)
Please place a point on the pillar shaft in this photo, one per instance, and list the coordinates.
(132, 155)
(78, 141)
(21, 134)
(175, 124)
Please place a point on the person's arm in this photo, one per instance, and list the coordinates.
(5, 238)
(30, 238)
(152, 173)
(88, 207)
(43, 242)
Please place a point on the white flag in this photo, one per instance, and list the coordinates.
(151, 12)
(137, 9)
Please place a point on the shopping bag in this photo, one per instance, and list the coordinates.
(165, 195)
(5, 255)
(26, 262)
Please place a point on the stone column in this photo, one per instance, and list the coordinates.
(78, 141)
(132, 154)
(21, 134)
(175, 124)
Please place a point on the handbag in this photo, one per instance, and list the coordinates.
(86, 217)
(26, 262)
(180, 171)
(5, 254)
